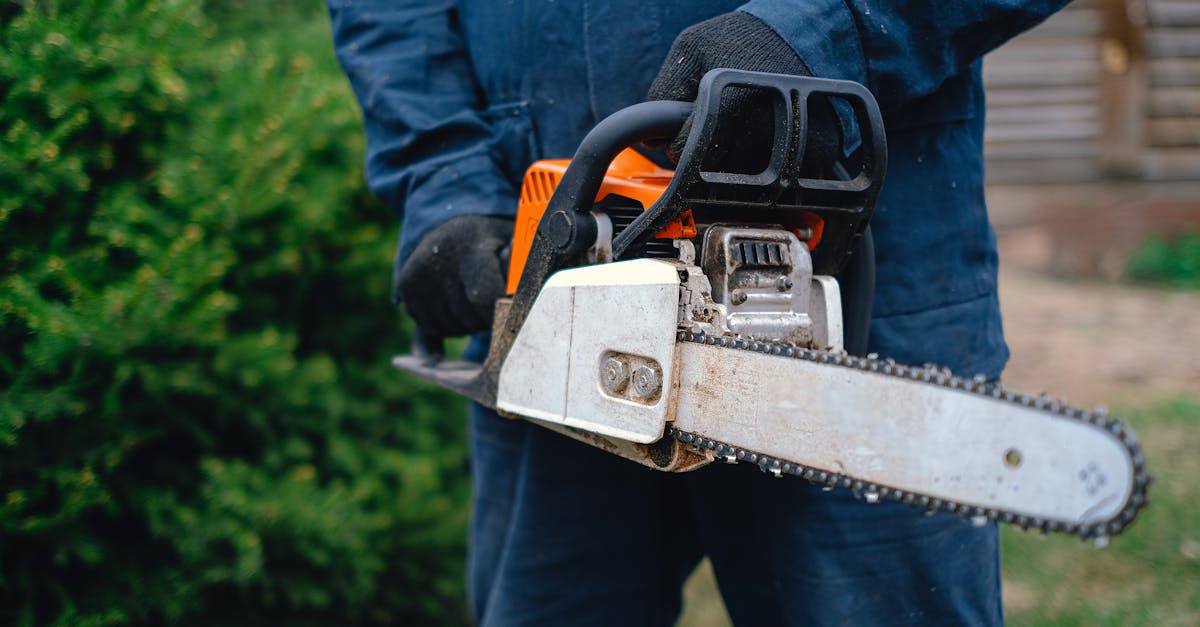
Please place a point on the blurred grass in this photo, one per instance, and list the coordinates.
(1173, 263)
(702, 605)
(1148, 576)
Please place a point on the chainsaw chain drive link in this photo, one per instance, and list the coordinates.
(1098, 532)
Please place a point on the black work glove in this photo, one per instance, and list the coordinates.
(741, 41)
(450, 282)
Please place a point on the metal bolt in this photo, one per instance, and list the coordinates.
(646, 382)
(784, 283)
(739, 297)
(614, 375)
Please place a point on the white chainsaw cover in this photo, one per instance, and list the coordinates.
(581, 316)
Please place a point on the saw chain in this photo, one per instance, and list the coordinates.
(1098, 532)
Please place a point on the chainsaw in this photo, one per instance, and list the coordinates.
(683, 317)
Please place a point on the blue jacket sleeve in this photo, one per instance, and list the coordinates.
(429, 145)
(901, 49)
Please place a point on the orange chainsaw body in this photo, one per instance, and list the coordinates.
(631, 176)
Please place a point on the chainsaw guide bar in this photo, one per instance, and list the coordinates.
(1096, 529)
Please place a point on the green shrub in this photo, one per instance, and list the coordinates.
(198, 422)
(1174, 262)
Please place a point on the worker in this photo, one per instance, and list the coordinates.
(460, 96)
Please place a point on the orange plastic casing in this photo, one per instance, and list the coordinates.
(630, 175)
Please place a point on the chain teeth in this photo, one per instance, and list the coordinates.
(1097, 532)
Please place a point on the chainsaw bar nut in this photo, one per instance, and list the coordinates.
(614, 375)
(635, 378)
(646, 382)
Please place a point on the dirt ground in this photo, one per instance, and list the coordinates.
(1093, 342)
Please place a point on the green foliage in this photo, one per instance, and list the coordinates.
(198, 423)
(1175, 263)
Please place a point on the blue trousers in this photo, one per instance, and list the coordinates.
(565, 534)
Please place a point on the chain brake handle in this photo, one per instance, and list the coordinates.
(845, 205)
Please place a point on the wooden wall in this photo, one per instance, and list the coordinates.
(1172, 110)
(1106, 89)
